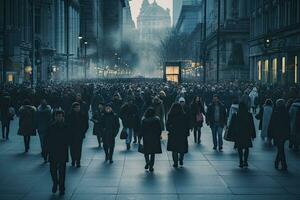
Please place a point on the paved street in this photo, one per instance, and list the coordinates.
(206, 174)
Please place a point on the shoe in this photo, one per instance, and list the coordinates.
(134, 142)
(128, 146)
(284, 168)
(175, 165)
(106, 158)
(199, 141)
(73, 163)
(215, 148)
(181, 162)
(111, 161)
(151, 169)
(241, 164)
(54, 188)
(78, 165)
(276, 165)
(62, 192)
(220, 148)
(146, 166)
(246, 164)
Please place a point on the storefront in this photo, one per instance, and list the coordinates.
(172, 72)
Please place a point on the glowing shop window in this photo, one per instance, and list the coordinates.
(274, 70)
(172, 70)
(283, 65)
(10, 77)
(266, 70)
(296, 69)
(259, 70)
(172, 78)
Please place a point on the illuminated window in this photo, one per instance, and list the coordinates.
(266, 70)
(259, 70)
(172, 70)
(10, 77)
(172, 73)
(274, 70)
(296, 69)
(283, 65)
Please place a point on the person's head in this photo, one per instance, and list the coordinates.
(280, 103)
(216, 99)
(176, 109)
(150, 112)
(78, 97)
(101, 106)
(156, 100)
(268, 102)
(181, 101)
(59, 116)
(108, 108)
(76, 107)
(26, 102)
(197, 99)
(43, 102)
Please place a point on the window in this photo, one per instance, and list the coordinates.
(172, 73)
(274, 70)
(259, 70)
(283, 65)
(296, 69)
(266, 70)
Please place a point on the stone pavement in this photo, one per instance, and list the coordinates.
(206, 174)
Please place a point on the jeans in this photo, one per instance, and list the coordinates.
(58, 174)
(130, 132)
(217, 132)
(197, 134)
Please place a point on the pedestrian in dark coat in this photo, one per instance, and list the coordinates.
(7, 113)
(27, 123)
(57, 142)
(111, 130)
(151, 135)
(243, 131)
(98, 119)
(197, 118)
(279, 130)
(178, 128)
(77, 126)
(44, 117)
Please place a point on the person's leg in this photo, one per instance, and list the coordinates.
(79, 152)
(129, 137)
(214, 136)
(62, 177)
(282, 157)
(175, 158)
(220, 137)
(7, 130)
(195, 134)
(53, 172)
(246, 155)
(199, 134)
(111, 151)
(147, 160)
(3, 131)
(28, 142)
(72, 152)
(105, 146)
(240, 150)
(99, 140)
(152, 160)
(181, 156)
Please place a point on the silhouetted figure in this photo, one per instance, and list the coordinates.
(78, 125)
(279, 130)
(294, 112)
(111, 130)
(243, 132)
(98, 119)
(57, 141)
(27, 122)
(216, 119)
(7, 113)
(178, 128)
(151, 135)
(197, 118)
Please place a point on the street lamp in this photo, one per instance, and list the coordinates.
(80, 37)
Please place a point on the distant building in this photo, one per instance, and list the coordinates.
(275, 41)
(177, 4)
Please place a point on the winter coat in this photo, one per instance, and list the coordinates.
(160, 112)
(178, 128)
(111, 126)
(43, 118)
(98, 119)
(243, 130)
(196, 109)
(27, 121)
(151, 132)
(253, 96)
(129, 116)
(57, 142)
(294, 113)
(77, 125)
(266, 117)
(279, 127)
(211, 112)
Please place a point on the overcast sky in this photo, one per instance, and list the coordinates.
(136, 5)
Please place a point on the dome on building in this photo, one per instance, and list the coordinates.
(153, 10)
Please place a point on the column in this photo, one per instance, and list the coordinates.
(242, 8)
(228, 9)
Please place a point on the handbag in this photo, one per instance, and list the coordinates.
(123, 135)
(228, 136)
(141, 148)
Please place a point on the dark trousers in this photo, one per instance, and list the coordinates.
(5, 130)
(197, 134)
(76, 150)
(243, 154)
(109, 150)
(58, 174)
(150, 159)
(99, 139)
(280, 158)
(177, 156)
(27, 142)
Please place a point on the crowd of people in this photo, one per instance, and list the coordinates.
(141, 109)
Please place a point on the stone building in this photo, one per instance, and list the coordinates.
(275, 41)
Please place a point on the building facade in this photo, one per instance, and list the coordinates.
(275, 41)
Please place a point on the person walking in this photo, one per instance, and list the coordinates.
(7, 113)
(111, 126)
(178, 128)
(151, 135)
(264, 116)
(216, 119)
(44, 116)
(294, 112)
(78, 125)
(57, 142)
(98, 120)
(27, 123)
(197, 118)
(243, 131)
(279, 130)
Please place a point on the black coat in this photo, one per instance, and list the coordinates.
(111, 126)
(151, 132)
(279, 127)
(130, 116)
(178, 128)
(242, 130)
(210, 115)
(77, 125)
(194, 110)
(98, 119)
(57, 142)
